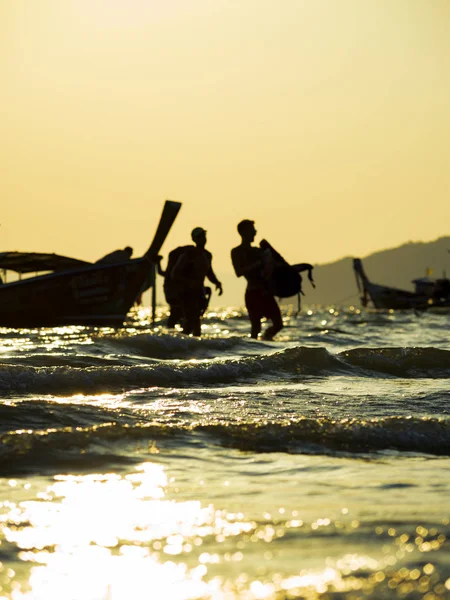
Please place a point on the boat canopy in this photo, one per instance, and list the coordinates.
(34, 262)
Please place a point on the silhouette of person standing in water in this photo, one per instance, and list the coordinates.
(188, 278)
(256, 264)
(171, 287)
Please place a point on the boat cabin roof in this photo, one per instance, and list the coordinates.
(34, 262)
(423, 280)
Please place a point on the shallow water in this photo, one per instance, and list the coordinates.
(140, 463)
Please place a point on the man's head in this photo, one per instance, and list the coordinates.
(128, 250)
(198, 235)
(246, 229)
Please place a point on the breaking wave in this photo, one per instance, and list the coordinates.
(291, 362)
(25, 449)
(168, 346)
(401, 362)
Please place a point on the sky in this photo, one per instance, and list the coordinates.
(325, 121)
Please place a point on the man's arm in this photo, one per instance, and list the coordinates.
(212, 276)
(159, 268)
(236, 260)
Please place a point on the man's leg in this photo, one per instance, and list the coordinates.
(173, 299)
(252, 303)
(187, 320)
(277, 321)
(197, 312)
(192, 311)
(255, 326)
(174, 316)
(196, 326)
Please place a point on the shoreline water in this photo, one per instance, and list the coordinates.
(142, 463)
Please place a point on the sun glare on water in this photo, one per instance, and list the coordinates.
(98, 536)
(107, 536)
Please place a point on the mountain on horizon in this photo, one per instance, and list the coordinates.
(396, 267)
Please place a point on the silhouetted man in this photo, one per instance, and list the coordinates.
(255, 265)
(188, 276)
(172, 288)
(117, 256)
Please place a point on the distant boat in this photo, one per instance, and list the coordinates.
(428, 292)
(68, 291)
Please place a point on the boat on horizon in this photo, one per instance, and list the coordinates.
(68, 291)
(428, 293)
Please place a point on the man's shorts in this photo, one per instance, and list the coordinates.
(260, 303)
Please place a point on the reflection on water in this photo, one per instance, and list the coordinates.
(108, 536)
(314, 468)
(96, 535)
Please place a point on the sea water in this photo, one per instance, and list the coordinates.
(141, 463)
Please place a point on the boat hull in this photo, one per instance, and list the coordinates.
(93, 295)
(390, 298)
(393, 298)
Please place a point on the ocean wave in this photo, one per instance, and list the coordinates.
(313, 436)
(123, 349)
(401, 362)
(44, 414)
(292, 362)
(64, 380)
(167, 346)
(26, 449)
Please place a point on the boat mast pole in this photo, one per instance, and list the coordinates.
(153, 309)
(169, 213)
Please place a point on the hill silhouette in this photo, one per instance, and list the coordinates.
(396, 267)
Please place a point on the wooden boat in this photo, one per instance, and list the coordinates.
(429, 293)
(68, 291)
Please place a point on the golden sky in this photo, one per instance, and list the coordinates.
(325, 121)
